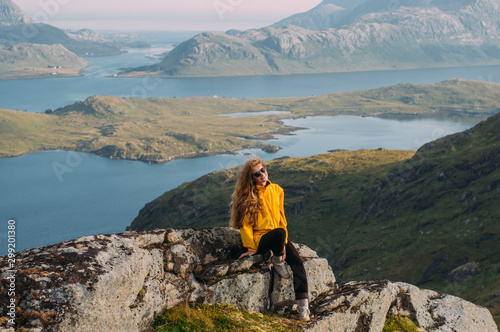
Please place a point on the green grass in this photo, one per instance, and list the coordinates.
(400, 324)
(144, 129)
(205, 202)
(220, 318)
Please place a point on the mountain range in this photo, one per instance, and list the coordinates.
(18, 27)
(429, 218)
(371, 36)
(28, 48)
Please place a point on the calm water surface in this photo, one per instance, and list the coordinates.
(40, 95)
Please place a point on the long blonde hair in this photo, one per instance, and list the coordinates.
(245, 198)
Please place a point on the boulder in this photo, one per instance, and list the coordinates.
(118, 282)
(365, 306)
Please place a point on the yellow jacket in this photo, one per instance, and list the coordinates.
(271, 216)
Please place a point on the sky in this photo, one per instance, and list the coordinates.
(195, 15)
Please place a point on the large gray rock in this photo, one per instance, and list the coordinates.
(118, 282)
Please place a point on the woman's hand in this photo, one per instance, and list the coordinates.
(248, 253)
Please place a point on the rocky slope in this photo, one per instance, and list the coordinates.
(118, 282)
(373, 35)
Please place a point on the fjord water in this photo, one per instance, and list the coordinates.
(43, 94)
(60, 195)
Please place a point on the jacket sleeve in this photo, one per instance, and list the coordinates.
(283, 222)
(247, 237)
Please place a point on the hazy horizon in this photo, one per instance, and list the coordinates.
(166, 15)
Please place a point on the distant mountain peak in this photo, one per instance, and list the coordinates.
(325, 15)
(10, 13)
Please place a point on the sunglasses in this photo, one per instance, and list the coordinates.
(259, 173)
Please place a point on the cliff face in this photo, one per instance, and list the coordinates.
(374, 35)
(118, 282)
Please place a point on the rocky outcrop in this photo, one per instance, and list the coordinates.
(118, 282)
(365, 306)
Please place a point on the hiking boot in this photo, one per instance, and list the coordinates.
(280, 267)
(304, 313)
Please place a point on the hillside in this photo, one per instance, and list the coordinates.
(38, 60)
(28, 48)
(163, 129)
(18, 27)
(375, 35)
(40, 33)
(369, 212)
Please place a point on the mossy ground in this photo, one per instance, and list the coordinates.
(400, 324)
(220, 318)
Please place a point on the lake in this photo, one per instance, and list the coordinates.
(59, 195)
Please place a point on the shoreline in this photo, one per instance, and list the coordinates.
(190, 155)
(161, 74)
(40, 73)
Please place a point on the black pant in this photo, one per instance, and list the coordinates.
(275, 241)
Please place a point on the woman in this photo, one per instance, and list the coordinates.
(257, 211)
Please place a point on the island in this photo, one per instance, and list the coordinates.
(157, 130)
